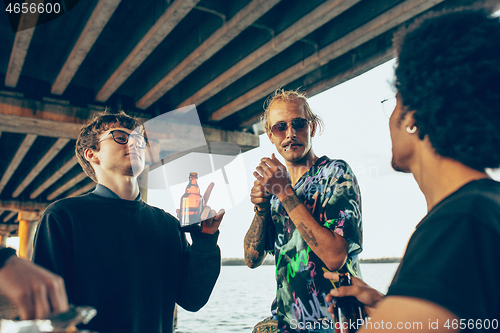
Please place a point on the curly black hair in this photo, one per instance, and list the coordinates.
(448, 72)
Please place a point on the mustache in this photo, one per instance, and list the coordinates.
(289, 144)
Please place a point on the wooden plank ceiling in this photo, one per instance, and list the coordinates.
(151, 57)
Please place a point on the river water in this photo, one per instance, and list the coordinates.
(243, 296)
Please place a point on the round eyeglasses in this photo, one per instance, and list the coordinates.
(388, 105)
(121, 137)
(298, 124)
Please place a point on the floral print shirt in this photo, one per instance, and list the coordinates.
(331, 193)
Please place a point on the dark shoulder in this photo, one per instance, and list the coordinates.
(69, 204)
(477, 200)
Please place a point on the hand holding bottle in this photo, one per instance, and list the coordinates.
(194, 213)
(359, 289)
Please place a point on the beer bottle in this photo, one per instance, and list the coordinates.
(191, 206)
(348, 313)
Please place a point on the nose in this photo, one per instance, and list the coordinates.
(132, 142)
(290, 131)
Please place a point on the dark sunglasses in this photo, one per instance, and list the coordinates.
(297, 124)
(121, 137)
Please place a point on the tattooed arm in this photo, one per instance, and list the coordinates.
(254, 243)
(328, 246)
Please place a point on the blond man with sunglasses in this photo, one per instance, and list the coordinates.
(116, 253)
(307, 213)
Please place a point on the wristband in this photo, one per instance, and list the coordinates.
(259, 212)
(5, 255)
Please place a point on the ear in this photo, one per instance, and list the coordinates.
(91, 156)
(270, 136)
(409, 120)
(313, 129)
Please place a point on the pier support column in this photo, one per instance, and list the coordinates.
(27, 226)
(3, 239)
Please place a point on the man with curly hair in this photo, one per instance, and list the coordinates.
(444, 130)
(307, 213)
(116, 253)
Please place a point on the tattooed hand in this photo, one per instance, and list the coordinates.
(273, 176)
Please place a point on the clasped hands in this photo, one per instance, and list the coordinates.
(272, 177)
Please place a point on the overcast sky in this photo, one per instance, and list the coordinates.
(357, 131)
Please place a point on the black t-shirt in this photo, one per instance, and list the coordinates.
(453, 257)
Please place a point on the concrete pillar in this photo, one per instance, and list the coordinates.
(27, 227)
(3, 239)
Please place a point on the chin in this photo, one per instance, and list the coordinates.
(136, 169)
(397, 167)
(299, 156)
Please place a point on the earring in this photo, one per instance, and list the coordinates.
(411, 130)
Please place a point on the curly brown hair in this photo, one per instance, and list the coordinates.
(88, 137)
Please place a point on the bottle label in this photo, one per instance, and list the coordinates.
(190, 212)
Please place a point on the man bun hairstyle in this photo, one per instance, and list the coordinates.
(448, 73)
(88, 137)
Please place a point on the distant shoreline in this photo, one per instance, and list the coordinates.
(270, 261)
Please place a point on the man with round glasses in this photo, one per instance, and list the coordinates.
(307, 213)
(127, 259)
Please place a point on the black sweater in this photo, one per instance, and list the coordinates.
(128, 260)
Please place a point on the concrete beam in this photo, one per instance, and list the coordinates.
(165, 24)
(18, 157)
(355, 70)
(253, 120)
(17, 57)
(72, 182)
(18, 205)
(96, 23)
(27, 116)
(22, 42)
(179, 137)
(375, 27)
(312, 21)
(9, 216)
(53, 151)
(244, 18)
(29, 216)
(244, 140)
(47, 119)
(51, 180)
(32, 125)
